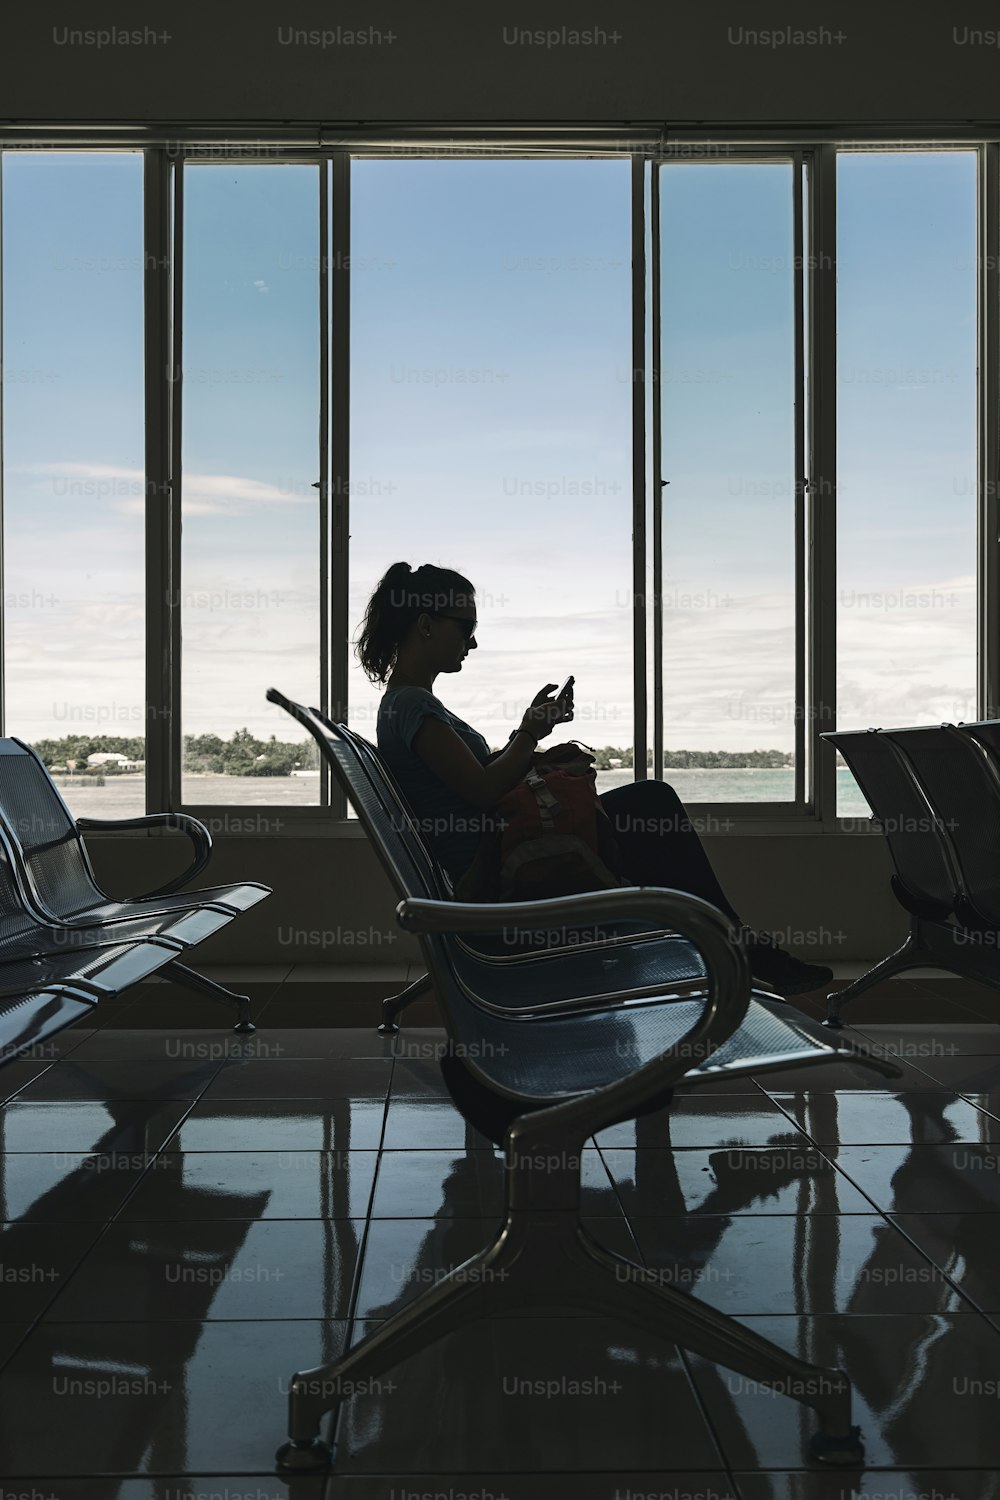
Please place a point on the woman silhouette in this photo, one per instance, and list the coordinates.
(422, 622)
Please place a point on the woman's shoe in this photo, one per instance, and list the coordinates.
(775, 966)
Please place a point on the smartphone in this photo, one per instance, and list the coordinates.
(566, 686)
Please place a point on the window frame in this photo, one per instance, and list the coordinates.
(814, 156)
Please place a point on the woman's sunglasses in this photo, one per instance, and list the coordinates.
(468, 626)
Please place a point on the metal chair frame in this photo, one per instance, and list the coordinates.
(544, 1105)
(947, 931)
(183, 920)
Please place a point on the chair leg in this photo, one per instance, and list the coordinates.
(928, 944)
(641, 1298)
(392, 1006)
(909, 956)
(196, 981)
(543, 1260)
(468, 1292)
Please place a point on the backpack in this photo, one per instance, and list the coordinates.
(551, 837)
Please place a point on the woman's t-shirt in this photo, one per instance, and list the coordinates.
(449, 825)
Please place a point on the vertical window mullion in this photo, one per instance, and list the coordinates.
(639, 464)
(3, 517)
(173, 497)
(988, 458)
(323, 485)
(659, 483)
(800, 481)
(339, 449)
(821, 509)
(160, 261)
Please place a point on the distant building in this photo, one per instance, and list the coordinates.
(112, 760)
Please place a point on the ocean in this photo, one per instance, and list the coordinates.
(124, 796)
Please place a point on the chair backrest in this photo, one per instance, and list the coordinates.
(382, 813)
(926, 879)
(388, 789)
(963, 788)
(985, 732)
(38, 821)
(388, 823)
(439, 881)
(19, 921)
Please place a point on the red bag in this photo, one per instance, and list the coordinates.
(553, 837)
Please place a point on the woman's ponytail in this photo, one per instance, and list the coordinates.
(402, 595)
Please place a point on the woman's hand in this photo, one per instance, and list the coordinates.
(545, 712)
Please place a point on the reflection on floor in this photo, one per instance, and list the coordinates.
(188, 1217)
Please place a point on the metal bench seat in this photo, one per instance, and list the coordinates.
(637, 966)
(935, 796)
(543, 1080)
(106, 969)
(650, 966)
(45, 845)
(49, 839)
(52, 975)
(30, 1018)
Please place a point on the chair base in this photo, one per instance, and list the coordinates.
(393, 1004)
(304, 1458)
(545, 1259)
(195, 981)
(933, 945)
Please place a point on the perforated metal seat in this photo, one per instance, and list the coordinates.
(51, 975)
(935, 795)
(636, 956)
(59, 882)
(48, 836)
(956, 775)
(541, 1066)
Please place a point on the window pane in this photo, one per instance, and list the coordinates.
(491, 424)
(74, 471)
(250, 610)
(728, 405)
(906, 442)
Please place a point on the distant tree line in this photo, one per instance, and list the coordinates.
(611, 757)
(210, 754)
(245, 755)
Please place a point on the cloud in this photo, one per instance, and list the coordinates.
(221, 495)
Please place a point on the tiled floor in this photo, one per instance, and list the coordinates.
(188, 1217)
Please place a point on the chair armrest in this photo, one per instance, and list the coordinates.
(196, 831)
(670, 910)
(725, 1005)
(729, 985)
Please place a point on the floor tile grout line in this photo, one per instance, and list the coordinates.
(640, 1257)
(161, 1148)
(702, 1405)
(351, 1319)
(10, 1098)
(884, 1214)
(101, 1229)
(966, 1296)
(106, 1224)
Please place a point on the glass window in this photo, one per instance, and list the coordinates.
(727, 407)
(74, 471)
(250, 606)
(906, 442)
(491, 425)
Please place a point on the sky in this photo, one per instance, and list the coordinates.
(490, 432)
